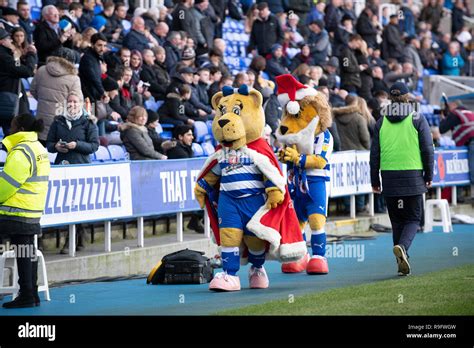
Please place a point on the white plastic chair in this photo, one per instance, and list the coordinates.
(443, 205)
(14, 288)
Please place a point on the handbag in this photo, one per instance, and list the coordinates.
(9, 103)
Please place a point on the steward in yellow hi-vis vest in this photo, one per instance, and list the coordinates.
(23, 189)
(402, 154)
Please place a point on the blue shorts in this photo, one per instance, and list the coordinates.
(314, 203)
(237, 212)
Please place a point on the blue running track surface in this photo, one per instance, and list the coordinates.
(375, 262)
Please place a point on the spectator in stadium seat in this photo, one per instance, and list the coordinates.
(277, 64)
(136, 63)
(10, 19)
(139, 38)
(266, 31)
(90, 69)
(333, 79)
(160, 32)
(152, 74)
(204, 29)
(432, 13)
(392, 44)
(48, 36)
(341, 35)
(350, 69)
(161, 145)
(12, 70)
(135, 136)
(173, 52)
(410, 54)
(25, 20)
(452, 62)
(362, 55)
(87, 14)
(183, 136)
(52, 85)
(183, 20)
(304, 57)
(73, 16)
(174, 110)
(131, 95)
(378, 81)
(333, 15)
(77, 129)
(365, 28)
(318, 41)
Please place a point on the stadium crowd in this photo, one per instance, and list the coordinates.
(109, 73)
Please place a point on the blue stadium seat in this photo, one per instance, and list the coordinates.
(197, 150)
(201, 132)
(102, 154)
(35, 13)
(117, 153)
(209, 127)
(33, 105)
(208, 148)
(3, 156)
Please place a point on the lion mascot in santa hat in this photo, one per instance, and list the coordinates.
(307, 148)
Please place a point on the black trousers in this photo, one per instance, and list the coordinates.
(405, 215)
(27, 263)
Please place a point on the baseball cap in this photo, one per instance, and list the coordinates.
(398, 89)
(186, 70)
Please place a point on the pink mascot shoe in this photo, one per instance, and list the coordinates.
(296, 267)
(258, 278)
(317, 265)
(224, 282)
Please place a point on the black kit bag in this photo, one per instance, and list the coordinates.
(182, 267)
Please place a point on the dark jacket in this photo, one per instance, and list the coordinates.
(29, 27)
(46, 41)
(172, 108)
(403, 182)
(10, 73)
(196, 103)
(86, 19)
(300, 59)
(202, 94)
(83, 131)
(138, 143)
(352, 128)
(341, 39)
(432, 14)
(275, 6)
(265, 34)
(392, 44)
(180, 151)
(151, 75)
(90, 74)
(276, 67)
(332, 17)
(173, 55)
(273, 112)
(365, 90)
(184, 20)
(457, 21)
(365, 29)
(135, 40)
(350, 71)
(156, 139)
(319, 46)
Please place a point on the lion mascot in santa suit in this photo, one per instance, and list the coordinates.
(242, 186)
(307, 147)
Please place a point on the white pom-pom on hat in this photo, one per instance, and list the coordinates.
(293, 107)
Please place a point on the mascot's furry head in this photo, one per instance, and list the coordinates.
(306, 112)
(239, 116)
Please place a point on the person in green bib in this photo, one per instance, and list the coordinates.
(402, 154)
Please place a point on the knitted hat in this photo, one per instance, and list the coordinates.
(290, 91)
(98, 22)
(109, 84)
(188, 54)
(65, 25)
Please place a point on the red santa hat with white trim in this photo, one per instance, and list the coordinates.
(290, 90)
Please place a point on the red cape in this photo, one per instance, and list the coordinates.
(278, 226)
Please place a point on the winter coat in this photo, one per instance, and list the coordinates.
(180, 151)
(452, 66)
(366, 79)
(135, 40)
(173, 55)
(173, 108)
(352, 128)
(332, 17)
(204, 29)
(410, 54)
(273, 112)
(319, 46)
(300, 59)
(432, 15)
(276, 67)
(83, 131)
(46, 41)
(457, 20)
(184, 20)
(138, 143)
(350, 71)
(51, 86)
(392, 44)
(151, 75)
(265, 34)
(29, 27)
(90, 74)
(365, 29)
(403, 182)
(407, 22)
